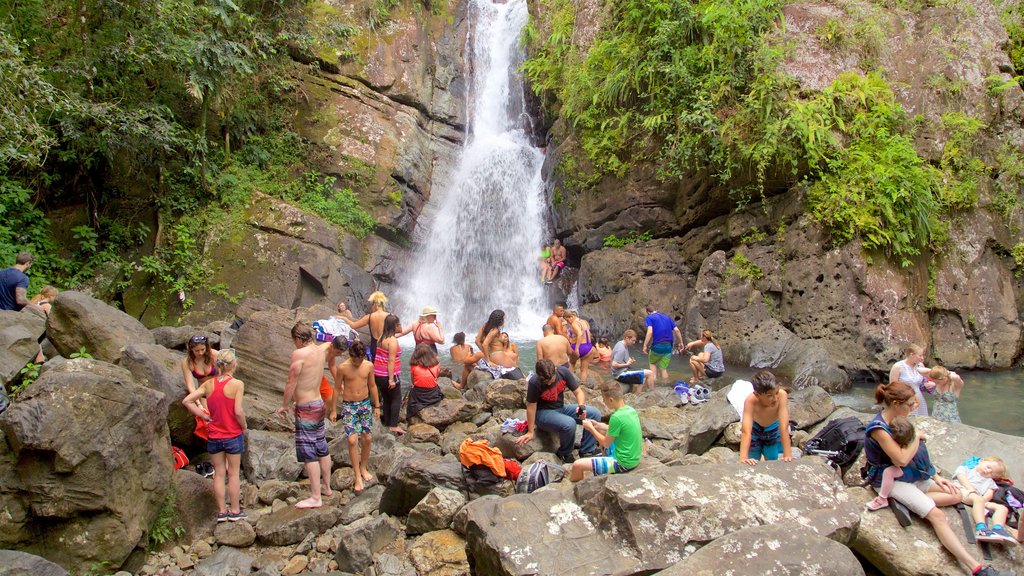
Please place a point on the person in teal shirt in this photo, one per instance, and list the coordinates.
(621, 438)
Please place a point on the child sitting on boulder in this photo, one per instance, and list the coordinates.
(621, 438)
(977, 486)
(902, 431)
(765, 422)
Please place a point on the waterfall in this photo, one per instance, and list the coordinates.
(483, 228)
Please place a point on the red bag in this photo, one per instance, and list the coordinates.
(203, 428)
(512, 469)
(180, 459)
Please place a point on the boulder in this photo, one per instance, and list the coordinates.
(156, 367)
(289, 525)
(420, 433)
(278, 490)
(898, 551)
(810, 405)
(707, 421)
(440, 553)
(382, 445)
(175, 337)
(15, 563)
(226, 561)
(360, 541)
(363, 505)
(237, 534)
(270, 456)
(415, 477)
(435, 511)
(390, 565)
(19, 341)
(85, 464)
(772, 550)
(448, 411)
(79, 321)
(195, 506)
(505, 394)
(648, 520)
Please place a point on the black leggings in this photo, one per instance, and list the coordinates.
(391, 400)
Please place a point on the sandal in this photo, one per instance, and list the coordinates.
(877, 504)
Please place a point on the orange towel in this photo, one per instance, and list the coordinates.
(481, 452)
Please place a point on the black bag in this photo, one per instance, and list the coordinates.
(1013, 498)
(841, 441)
(480, 479)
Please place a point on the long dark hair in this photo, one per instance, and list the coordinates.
(390, 328)
(207, 349)
(494, 322)
(424, 355)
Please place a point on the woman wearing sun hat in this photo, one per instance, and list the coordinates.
(428, 329)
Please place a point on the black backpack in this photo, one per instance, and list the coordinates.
(840, 441)
(1013, 498)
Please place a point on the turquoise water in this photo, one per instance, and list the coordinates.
(991, 400)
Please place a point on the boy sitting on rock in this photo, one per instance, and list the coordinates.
(621, 438)
(765, 422)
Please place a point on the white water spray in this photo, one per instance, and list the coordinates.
(483, 229)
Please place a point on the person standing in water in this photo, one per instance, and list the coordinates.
(662, 336)
(460, 352)
(582, 344)
(554, 347)
(303, 386)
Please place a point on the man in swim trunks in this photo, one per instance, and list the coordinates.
(303, 386)
(662, 336)
(554, 347)
(557, 259)
(358, 393)
(622, 362)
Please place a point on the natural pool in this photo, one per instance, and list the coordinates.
(991, 400)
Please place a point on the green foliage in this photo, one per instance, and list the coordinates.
(165, 527)
(379, 12)
(613, 241)
(339, 207)
(1011, 14)
(963, 169)
(1018, 258)
(755, 235)
(26, 376)
(1010, 165)
(24, 227)
(741, 267)
(832, 34)
(82, 353)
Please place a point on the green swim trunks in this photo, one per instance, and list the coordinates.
(660, 355)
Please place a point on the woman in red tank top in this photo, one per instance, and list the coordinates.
(226, 427)
(425, 369)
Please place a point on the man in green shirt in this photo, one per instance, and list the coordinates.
(621, 438)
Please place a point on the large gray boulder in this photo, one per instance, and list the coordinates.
(158, 368)
(360, 541)
(435, 511)
(649, 520)
(772, 550)
(415, 477)
(79, 321)
(270, 456)
(15, 563)
(290, 525)
(448, 411)
(85, 464)
(19, 341)
(195, 506)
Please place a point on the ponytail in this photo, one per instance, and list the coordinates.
(710, 336)
(893, 394)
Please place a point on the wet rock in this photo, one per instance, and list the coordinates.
(440, 553)
(657, 516)
(435, 511)
(448, 411)
(59, 445)
(14, 563)
(290, 525)
(226, 561)
(363, 504)
(156, 367)
(771, 550)
(270, 456)
(195, 506)
(79, 321)
(505, 394)
(359, 541)
(809, 406)
(237, 534)
(19, 333)
(422, 433)
(416, 477)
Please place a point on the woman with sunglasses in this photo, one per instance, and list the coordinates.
(200, 363)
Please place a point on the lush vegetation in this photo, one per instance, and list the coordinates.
(613, 241)
(695, 88)
(182, 105)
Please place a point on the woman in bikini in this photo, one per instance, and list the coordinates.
(582, 344)
(199, 366)
(375, 320)
(488, 341)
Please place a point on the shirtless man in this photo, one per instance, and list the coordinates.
(556, 323)
(554, 347)
(357, 388)
(303, 386)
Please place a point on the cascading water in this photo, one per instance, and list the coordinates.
(483, 233)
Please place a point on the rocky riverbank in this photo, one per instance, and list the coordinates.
(85, 465)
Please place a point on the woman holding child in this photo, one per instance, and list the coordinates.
(924, 496)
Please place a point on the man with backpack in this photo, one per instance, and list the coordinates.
(545, 409)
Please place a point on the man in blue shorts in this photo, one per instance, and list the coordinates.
(662, 337)
(622, 361)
